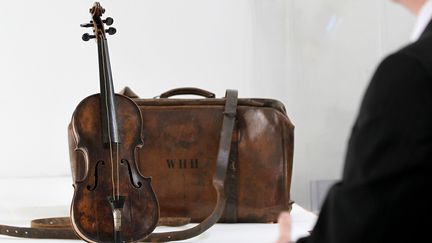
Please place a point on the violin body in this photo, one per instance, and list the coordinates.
(113, 201)
(91, 212)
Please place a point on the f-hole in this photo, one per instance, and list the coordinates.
(138, 184)
(92, 188)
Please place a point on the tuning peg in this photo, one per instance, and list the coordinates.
(108, 21)
(86, 37)
(111, 31)
(87, 25)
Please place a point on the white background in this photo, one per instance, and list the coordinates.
(316, 56)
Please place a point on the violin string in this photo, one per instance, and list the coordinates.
(117, 164)
(107, 116)
(118, 171)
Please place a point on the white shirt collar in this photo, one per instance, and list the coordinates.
(423, 19)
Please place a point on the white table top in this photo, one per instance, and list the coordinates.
(24, 199)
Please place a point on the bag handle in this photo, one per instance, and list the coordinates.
(187, 91)
(40, 229)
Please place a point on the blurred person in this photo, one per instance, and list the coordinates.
(384, 192)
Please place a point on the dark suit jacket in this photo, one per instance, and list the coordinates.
(386, 188)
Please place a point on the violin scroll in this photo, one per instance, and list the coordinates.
(98, 24)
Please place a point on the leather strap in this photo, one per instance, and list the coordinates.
(54, 223)
(59, 228)
(230, 215)
(38, 233)
(219, 177)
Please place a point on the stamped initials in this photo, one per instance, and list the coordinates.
(182, 163)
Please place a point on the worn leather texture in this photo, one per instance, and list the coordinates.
(181, 138)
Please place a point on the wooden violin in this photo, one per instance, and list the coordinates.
(112, 202)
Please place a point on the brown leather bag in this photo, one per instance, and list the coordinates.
(181, 145)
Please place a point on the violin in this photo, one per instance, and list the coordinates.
(113, 202)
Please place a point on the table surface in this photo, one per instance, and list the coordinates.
(24, 199)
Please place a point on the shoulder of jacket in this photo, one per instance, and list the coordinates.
(417, 53)
(420, 50)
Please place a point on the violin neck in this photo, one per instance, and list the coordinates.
(110, 132)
